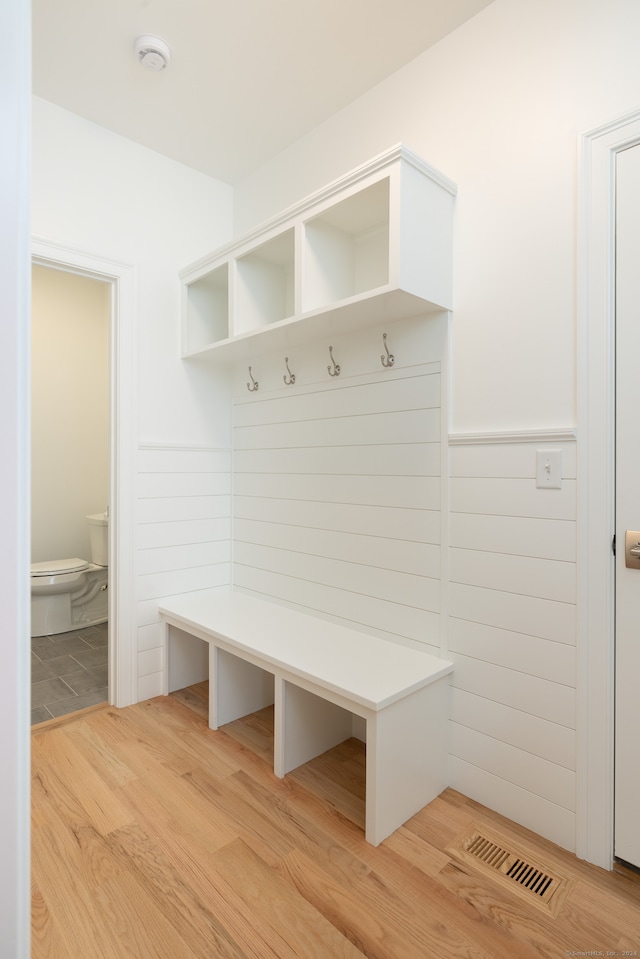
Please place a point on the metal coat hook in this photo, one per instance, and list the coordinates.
(250, 387)
(292, 376)
(389, 359)
(336, 368)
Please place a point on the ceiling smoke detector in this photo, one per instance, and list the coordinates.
(153, 53)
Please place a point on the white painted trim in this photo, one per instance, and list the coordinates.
(15, 650)
(122, 652)
(567, 435)
(182, 448)
(596, 486)
(445, 474)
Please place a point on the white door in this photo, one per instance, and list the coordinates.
(627, 752)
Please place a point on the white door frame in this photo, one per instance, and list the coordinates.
(123, 436)
(596, 486)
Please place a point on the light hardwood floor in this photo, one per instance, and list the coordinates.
(155, 837)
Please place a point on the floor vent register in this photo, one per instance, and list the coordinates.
(513, 866)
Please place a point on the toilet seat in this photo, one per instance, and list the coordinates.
(56, 567)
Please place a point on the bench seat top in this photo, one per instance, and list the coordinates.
(366, 669)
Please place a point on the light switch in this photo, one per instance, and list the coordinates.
(549, 469)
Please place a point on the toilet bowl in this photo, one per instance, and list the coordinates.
(68, 594)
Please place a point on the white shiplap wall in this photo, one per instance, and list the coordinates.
(183, 539)
(337, 493)
(332, 499)
(512, 632)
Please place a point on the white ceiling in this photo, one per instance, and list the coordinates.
(247, 77)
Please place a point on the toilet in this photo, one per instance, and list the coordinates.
(69, 594)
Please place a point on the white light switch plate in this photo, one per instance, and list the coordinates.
(549, 469)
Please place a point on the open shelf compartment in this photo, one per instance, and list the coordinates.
(265, 284)
(374, 245)
(206, 310)
(346, 249)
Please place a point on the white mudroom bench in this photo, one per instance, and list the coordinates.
(318, 675)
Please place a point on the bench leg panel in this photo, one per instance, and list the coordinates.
(407, 749)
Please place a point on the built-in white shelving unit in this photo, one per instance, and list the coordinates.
(374, 245)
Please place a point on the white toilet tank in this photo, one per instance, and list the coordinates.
(99, 538)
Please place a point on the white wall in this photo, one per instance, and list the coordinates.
(69, 410)
(103, 195)
(97, 192)
(497, 106)
(512, 632)
(183, 537)
(337, 488)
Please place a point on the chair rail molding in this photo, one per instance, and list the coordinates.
(177, 447)
(597, 151)
(513, 436)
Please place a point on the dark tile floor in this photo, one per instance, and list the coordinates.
(69, 671)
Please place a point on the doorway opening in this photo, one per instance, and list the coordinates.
(115, 281)
(70, 490)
